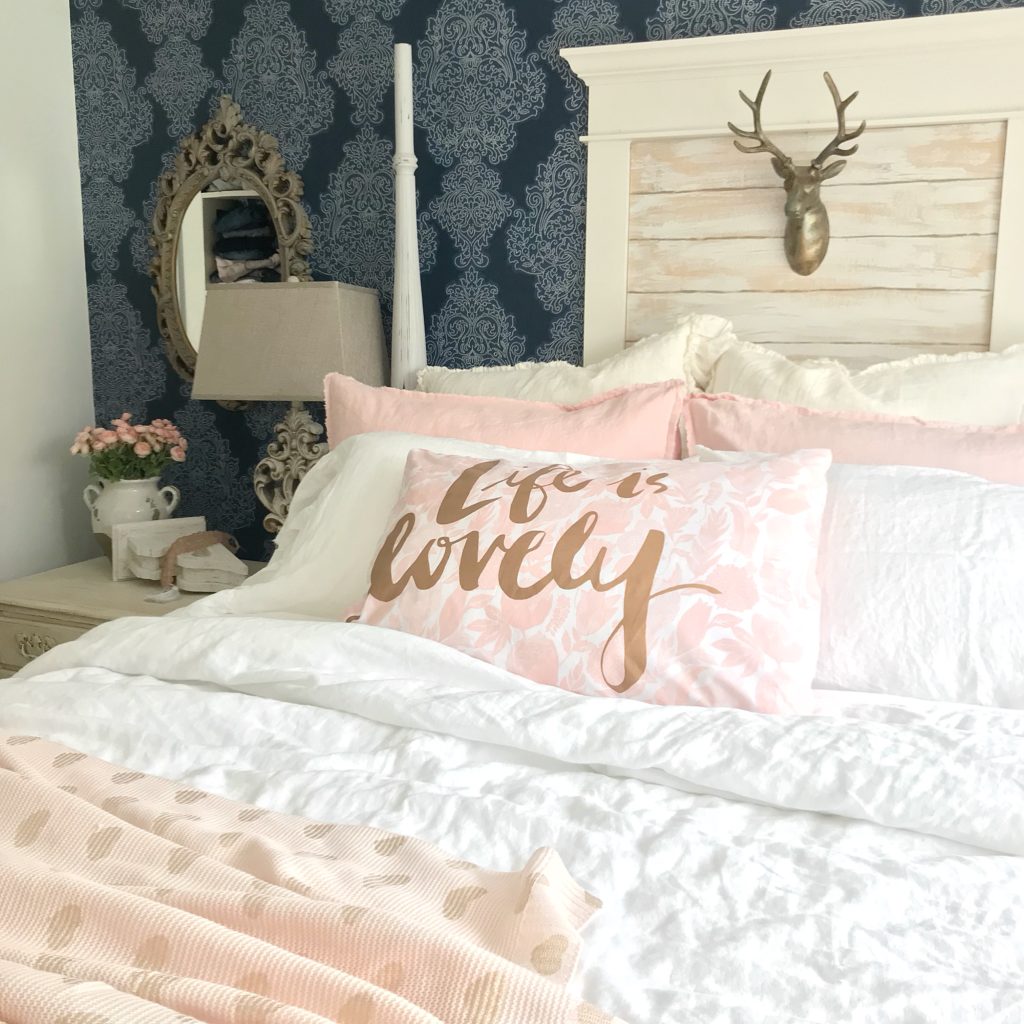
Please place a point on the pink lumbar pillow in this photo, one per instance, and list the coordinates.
(733, 424)
(640, 422)
(667, 582)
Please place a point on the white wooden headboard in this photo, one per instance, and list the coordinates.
(927, 219)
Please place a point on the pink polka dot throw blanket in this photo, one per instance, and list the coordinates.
(129, 899)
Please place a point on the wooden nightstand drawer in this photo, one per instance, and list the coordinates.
(21, 640)
(38, 612)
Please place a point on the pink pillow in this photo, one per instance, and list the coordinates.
(732, 424)
(667, 582)
(640, 422)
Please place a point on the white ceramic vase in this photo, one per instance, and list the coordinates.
(128, 501)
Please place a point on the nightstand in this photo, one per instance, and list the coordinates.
(38, 612)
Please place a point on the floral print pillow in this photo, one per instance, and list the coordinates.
(666, 582)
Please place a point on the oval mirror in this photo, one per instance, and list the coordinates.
(227, 211)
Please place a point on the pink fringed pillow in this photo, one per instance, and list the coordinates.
(640, 422)
(667, 582)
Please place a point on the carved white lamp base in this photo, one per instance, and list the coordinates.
(295, 452)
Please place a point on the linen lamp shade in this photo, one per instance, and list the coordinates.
(277, 342)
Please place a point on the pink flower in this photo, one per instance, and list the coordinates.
(161, 437)
(83, 442)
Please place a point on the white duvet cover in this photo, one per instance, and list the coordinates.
(862, 865)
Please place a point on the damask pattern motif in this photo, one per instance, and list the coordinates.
(363, 66)
(161, 19)
(126, 367)
(475, 85)
(962, 6)
(565, 339)
(106, 221)
(339, 10)
(355, 226)
(211, 480)
(681, 18)
(274, 76)
(471, 208)
(178, 82)
(141, 250)
(475, 81)
(261, 417)
(475, 328)
(106, 95)
(501, 169)
(581, 23)
(841, 12)
(544, 239)
(114, 115)
(354, 230)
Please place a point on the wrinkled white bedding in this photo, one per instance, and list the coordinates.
(864, 865)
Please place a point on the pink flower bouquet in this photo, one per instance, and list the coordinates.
(130, 451)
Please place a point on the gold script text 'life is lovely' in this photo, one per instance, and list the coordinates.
(529, 495)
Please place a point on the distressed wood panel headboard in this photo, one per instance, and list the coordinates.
(927, 218)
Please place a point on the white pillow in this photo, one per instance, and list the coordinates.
(680, 353)
(922, 574)
(321, 568)
(979, 388)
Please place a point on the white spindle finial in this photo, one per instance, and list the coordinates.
(408, 334)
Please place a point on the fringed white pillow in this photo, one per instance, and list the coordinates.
(685, 352)
(984, 389)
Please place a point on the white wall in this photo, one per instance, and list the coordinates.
(45, 376)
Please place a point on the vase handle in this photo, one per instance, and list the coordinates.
(90, 496)
(171, 496)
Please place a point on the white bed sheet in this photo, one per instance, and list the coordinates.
(863, 865)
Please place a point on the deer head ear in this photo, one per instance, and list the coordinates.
(832, 170)
(783, 168)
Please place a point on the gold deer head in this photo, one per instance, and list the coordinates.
(807, 230)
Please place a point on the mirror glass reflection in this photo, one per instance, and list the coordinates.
(226, 236)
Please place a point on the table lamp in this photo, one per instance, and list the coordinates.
(276, 342)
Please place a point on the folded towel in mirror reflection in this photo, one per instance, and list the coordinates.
(235, 270)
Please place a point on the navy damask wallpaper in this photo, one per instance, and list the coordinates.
(501, 180)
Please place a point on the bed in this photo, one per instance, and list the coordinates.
(861, 862)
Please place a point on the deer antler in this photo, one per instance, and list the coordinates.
(835, 147)
(762, 144)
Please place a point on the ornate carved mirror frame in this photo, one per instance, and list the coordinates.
(240, 154)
